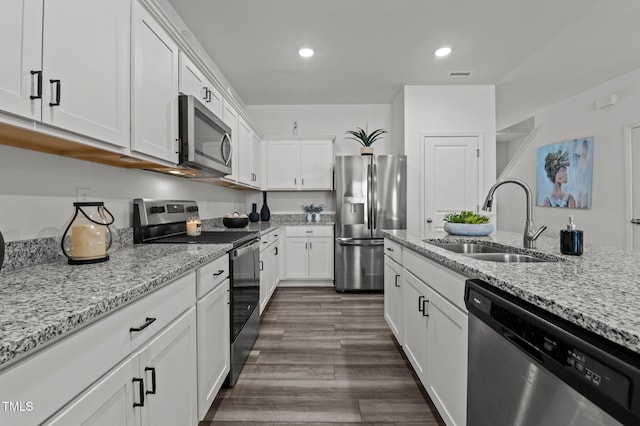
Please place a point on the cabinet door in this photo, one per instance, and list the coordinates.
(316, 165)
(415, 323)
(21, 35)
(191, 80)
(213, 345)
(273, 269)
(320, 257)
(393, 297)
(447, 358)
(264, 280)
(85, 63)
(256, 161)
(283, 165)
(296, 262)
(155, 88)
(230, 117)
(172, 356)
(108, 402)
(244, 144)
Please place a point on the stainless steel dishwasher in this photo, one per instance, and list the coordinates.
(529, 367)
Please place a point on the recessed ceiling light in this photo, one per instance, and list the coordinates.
(305, 52)
(443, 51)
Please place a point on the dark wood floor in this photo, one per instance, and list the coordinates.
(324, 358)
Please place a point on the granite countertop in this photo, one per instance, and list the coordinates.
(41, 303)
(599, 291)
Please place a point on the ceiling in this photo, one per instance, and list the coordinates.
(535, 52)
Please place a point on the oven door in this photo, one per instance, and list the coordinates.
(245, 285)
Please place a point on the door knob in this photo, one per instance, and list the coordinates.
(429, 220)
(635, 221)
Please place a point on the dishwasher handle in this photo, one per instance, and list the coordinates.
(523, 345)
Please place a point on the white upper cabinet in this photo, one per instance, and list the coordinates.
(244, 152)
(21, 66)
(193, 82)
(73, 54)
(256, 160)
(155, 88)
(300, 164)
(230, 117)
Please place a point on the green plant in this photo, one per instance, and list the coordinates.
(466, 216)
(360, 135)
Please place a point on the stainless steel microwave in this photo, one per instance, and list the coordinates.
(205, 140)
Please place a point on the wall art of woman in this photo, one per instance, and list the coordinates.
(555, 165)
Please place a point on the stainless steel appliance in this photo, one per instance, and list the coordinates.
(164, 221)
(371, 195)
(205, 140)
(529, 367)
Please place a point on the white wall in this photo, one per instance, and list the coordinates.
(316, 120)
(605, 223)
(447, 109)
(37, 192)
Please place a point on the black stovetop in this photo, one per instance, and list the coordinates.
(237, 238)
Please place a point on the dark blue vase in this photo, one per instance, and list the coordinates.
(265, 214)
(254, 216)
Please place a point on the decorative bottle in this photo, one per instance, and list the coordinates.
(254, 216)
(265, 214)
(571, 239)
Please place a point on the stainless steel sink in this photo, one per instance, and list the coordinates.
(468, 248)
(491, 253)
(507, 257)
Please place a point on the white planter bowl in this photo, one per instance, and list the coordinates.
(468, 229)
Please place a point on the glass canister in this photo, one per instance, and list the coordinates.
(87, 237)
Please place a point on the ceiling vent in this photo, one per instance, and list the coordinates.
(460, 74)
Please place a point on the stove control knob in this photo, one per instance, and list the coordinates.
(154, 210)
(192, 208)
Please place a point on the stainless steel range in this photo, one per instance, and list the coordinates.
(164, 222)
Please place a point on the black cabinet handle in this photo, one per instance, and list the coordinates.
(153, 379)
(148, 322)
(261, 265)
(420, 304)
(141, 388)
(38, 94)
(397, 285)
(220, 272)
(58, 87)
(276, 253)
(389, 249)
(424, 309)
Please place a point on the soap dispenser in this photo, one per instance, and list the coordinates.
(571, 239)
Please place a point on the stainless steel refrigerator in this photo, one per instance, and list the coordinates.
(371, 195)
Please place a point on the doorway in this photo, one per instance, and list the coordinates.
(633, 185)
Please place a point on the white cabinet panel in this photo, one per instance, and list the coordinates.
(256, 160)
(191, 80)
(296, 258)
(155, 88)
(21, 40)
(230, 117)
(393, 311)
(316, 165)
(321, 258)
(283, 167)
(415, 323)
(300, 164)
(309, 252)
(244, 143)
(213, 345)
(85, 63)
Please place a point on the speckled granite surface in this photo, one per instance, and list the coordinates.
(43, 302)
(599, 291)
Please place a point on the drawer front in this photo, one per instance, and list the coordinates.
(212, 274)
(393, 250)
(310, 231)
(58, 373)
(442, 279)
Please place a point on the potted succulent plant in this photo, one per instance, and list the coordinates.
(467, 222)
(365, 139)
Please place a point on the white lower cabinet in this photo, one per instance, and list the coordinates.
(213, 345)
(269, 267)
(309, 252)
(155, 386)
(434, 328)
(393, 312)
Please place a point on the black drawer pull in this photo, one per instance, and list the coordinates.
(396, 283)
(420, 304)
(220, 272)
(38, 94)
(141, 388)
(58, 87)
(424, 309)
(389, 249)
(153, 379)
(148, 322)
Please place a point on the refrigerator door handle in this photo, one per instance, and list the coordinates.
(374, 196)
(369, 190)
(363, 243)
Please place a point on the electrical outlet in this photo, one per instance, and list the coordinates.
(83, 194)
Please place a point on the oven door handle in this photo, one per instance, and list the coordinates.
(245, 249)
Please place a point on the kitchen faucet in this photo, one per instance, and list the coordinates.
(530, 234)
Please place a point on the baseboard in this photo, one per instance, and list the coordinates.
(305, 283)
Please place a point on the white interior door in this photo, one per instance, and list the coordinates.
(450, 179)
(635, 185)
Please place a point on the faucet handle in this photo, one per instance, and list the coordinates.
(538, 232)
